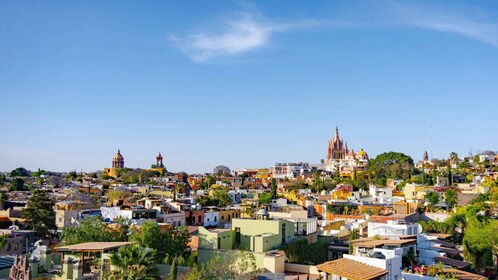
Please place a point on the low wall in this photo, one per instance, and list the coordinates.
(301, 268)
(440, 217)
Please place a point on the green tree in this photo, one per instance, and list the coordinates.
(20, 172)
(390, 165)
(168, 244)
(220, 194)
(210, 181)
(273, 188)
(300, 252)
(92, 229)
(454, 156)
(410, 258)
(133, 263)
(117, 194)
(230, 266)
(39, 212)
(265, 198)
(480, 242)
(17, 184)
(432, 197)
(3, 241)
(72, 175)
(450, 197)
(3, 198)
(2, 178)
(38, 173)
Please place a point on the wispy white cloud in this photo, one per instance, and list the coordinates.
(469, 23)
(243, 33)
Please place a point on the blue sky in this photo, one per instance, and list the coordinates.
(244, 84)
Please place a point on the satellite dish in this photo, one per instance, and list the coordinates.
(419, 227)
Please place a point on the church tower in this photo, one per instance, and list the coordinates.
(118, 161)
(335, 149)
(159, 161)
(426, 157)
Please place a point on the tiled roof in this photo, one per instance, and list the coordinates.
(451, 262)
(375, 243)
(351, 269)
(451, 251)
(92, 246)
(445, 243)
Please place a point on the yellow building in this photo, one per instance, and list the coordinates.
(264, 174)
(416, 192)
(226, 215)
(406, 208)
(342, 192)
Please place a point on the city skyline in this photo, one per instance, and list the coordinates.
(243, 84)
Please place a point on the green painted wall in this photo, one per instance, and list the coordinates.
(250, 228)
(209, 239)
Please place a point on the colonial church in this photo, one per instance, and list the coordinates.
(118, 163)
(340, 157)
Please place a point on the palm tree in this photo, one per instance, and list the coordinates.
(133, 263)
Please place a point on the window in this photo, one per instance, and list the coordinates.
(199, 218)
(215, 219)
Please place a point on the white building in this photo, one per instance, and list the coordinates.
(289, 170)
(174, 218)
(211, 218)
(392, 228)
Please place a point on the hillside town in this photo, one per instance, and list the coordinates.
(346, 216)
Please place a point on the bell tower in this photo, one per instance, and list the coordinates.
(159, 161)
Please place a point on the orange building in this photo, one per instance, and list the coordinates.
(194, 217)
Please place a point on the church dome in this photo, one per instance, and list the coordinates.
(118, 156)
(262, 211)
(221, 170)
(362, 153)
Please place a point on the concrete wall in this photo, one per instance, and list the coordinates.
(301, 268)
(274, 263)
(266, 243)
